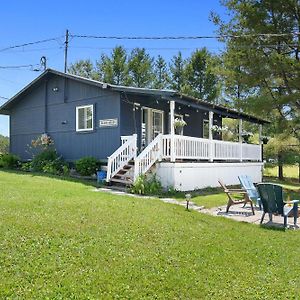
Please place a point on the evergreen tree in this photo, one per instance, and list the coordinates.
(114, 69)
(201, 81)
(265, 67)
(177, 66)
(161, 73)
(140, 66)
(83, 68)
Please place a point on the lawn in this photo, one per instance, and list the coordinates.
(61, 240)
(288, 171)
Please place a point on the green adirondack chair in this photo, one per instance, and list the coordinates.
(271, 196)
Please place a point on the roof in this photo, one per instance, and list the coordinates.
(163, 93)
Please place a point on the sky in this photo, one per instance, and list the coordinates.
(28, 21)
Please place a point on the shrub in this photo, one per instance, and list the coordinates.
(147, 186)
(9, 161)
(26, 167)
(87, 166)
(43, 158)
(56, 167)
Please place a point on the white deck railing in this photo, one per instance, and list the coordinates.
(180, 147)
(148, 157)
(186, 147)
(121, 157)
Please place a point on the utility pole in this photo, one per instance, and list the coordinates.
(66, 49)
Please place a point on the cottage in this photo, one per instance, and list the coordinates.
(135, 130)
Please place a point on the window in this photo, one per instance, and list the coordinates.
(205, 129)
(85, 118)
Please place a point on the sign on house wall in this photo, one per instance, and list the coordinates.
(108, 123)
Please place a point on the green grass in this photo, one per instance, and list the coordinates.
(61, 240)
(288, 171)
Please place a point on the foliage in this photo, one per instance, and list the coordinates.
(26, 166)
(74, 243)
(87, 166)
(178, 122)
(147, 186)
(114, 68)
(140, 66)
(195, 76)
(264, 69)
(4, 144)
(200, 78)
(83, 68)
(161, 79)
(177, 67)
(9, 161)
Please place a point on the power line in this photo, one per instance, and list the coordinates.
(18, 67)
(184, 37)
(29, 44)
(5, 98)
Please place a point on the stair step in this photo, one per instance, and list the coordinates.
(122, 176)
(126, 182)
(127, 167)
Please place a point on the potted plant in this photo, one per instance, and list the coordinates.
(219, 129)
(246, 135)
(265, 139)
(178, 125)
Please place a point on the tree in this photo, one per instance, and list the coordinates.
(114, 68)
(177, 66)
(284, 150)
(201, 81)
(265, 67)
(4, 144)
(140, 68)
(161, 73)
(83, 68)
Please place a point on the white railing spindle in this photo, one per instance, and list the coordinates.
(121, 157)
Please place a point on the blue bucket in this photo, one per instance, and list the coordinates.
(101, 176)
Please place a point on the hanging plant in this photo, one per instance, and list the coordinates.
(219, 129)
(178, 123)
(246, 135)
(265, 139)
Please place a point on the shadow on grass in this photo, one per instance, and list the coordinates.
(91, 182)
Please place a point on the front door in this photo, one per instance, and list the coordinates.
(152, 125)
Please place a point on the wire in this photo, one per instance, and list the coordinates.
(30, 43)
(184, 37)
(5, 98)
(18, 67)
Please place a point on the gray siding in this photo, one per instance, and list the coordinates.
(131, 119)
(28, 119)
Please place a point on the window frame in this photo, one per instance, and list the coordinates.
(77, 117)
(204, 124)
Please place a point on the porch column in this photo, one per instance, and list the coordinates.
(210, 135)
(172, 144)
(241, 138)
(260, 142)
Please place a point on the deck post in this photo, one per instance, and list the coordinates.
(241, 139)
(172, 144)
(210, 135)
(260, 142)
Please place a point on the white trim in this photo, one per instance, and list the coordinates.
(205, 121)
(77, 123)
(149, 124)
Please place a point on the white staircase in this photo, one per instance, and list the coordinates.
(120, 163)
(124, 166)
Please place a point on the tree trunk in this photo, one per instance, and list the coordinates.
(299, 172)
(280, 166)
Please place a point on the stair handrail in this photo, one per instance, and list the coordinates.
(148, 157)
(121, 157)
